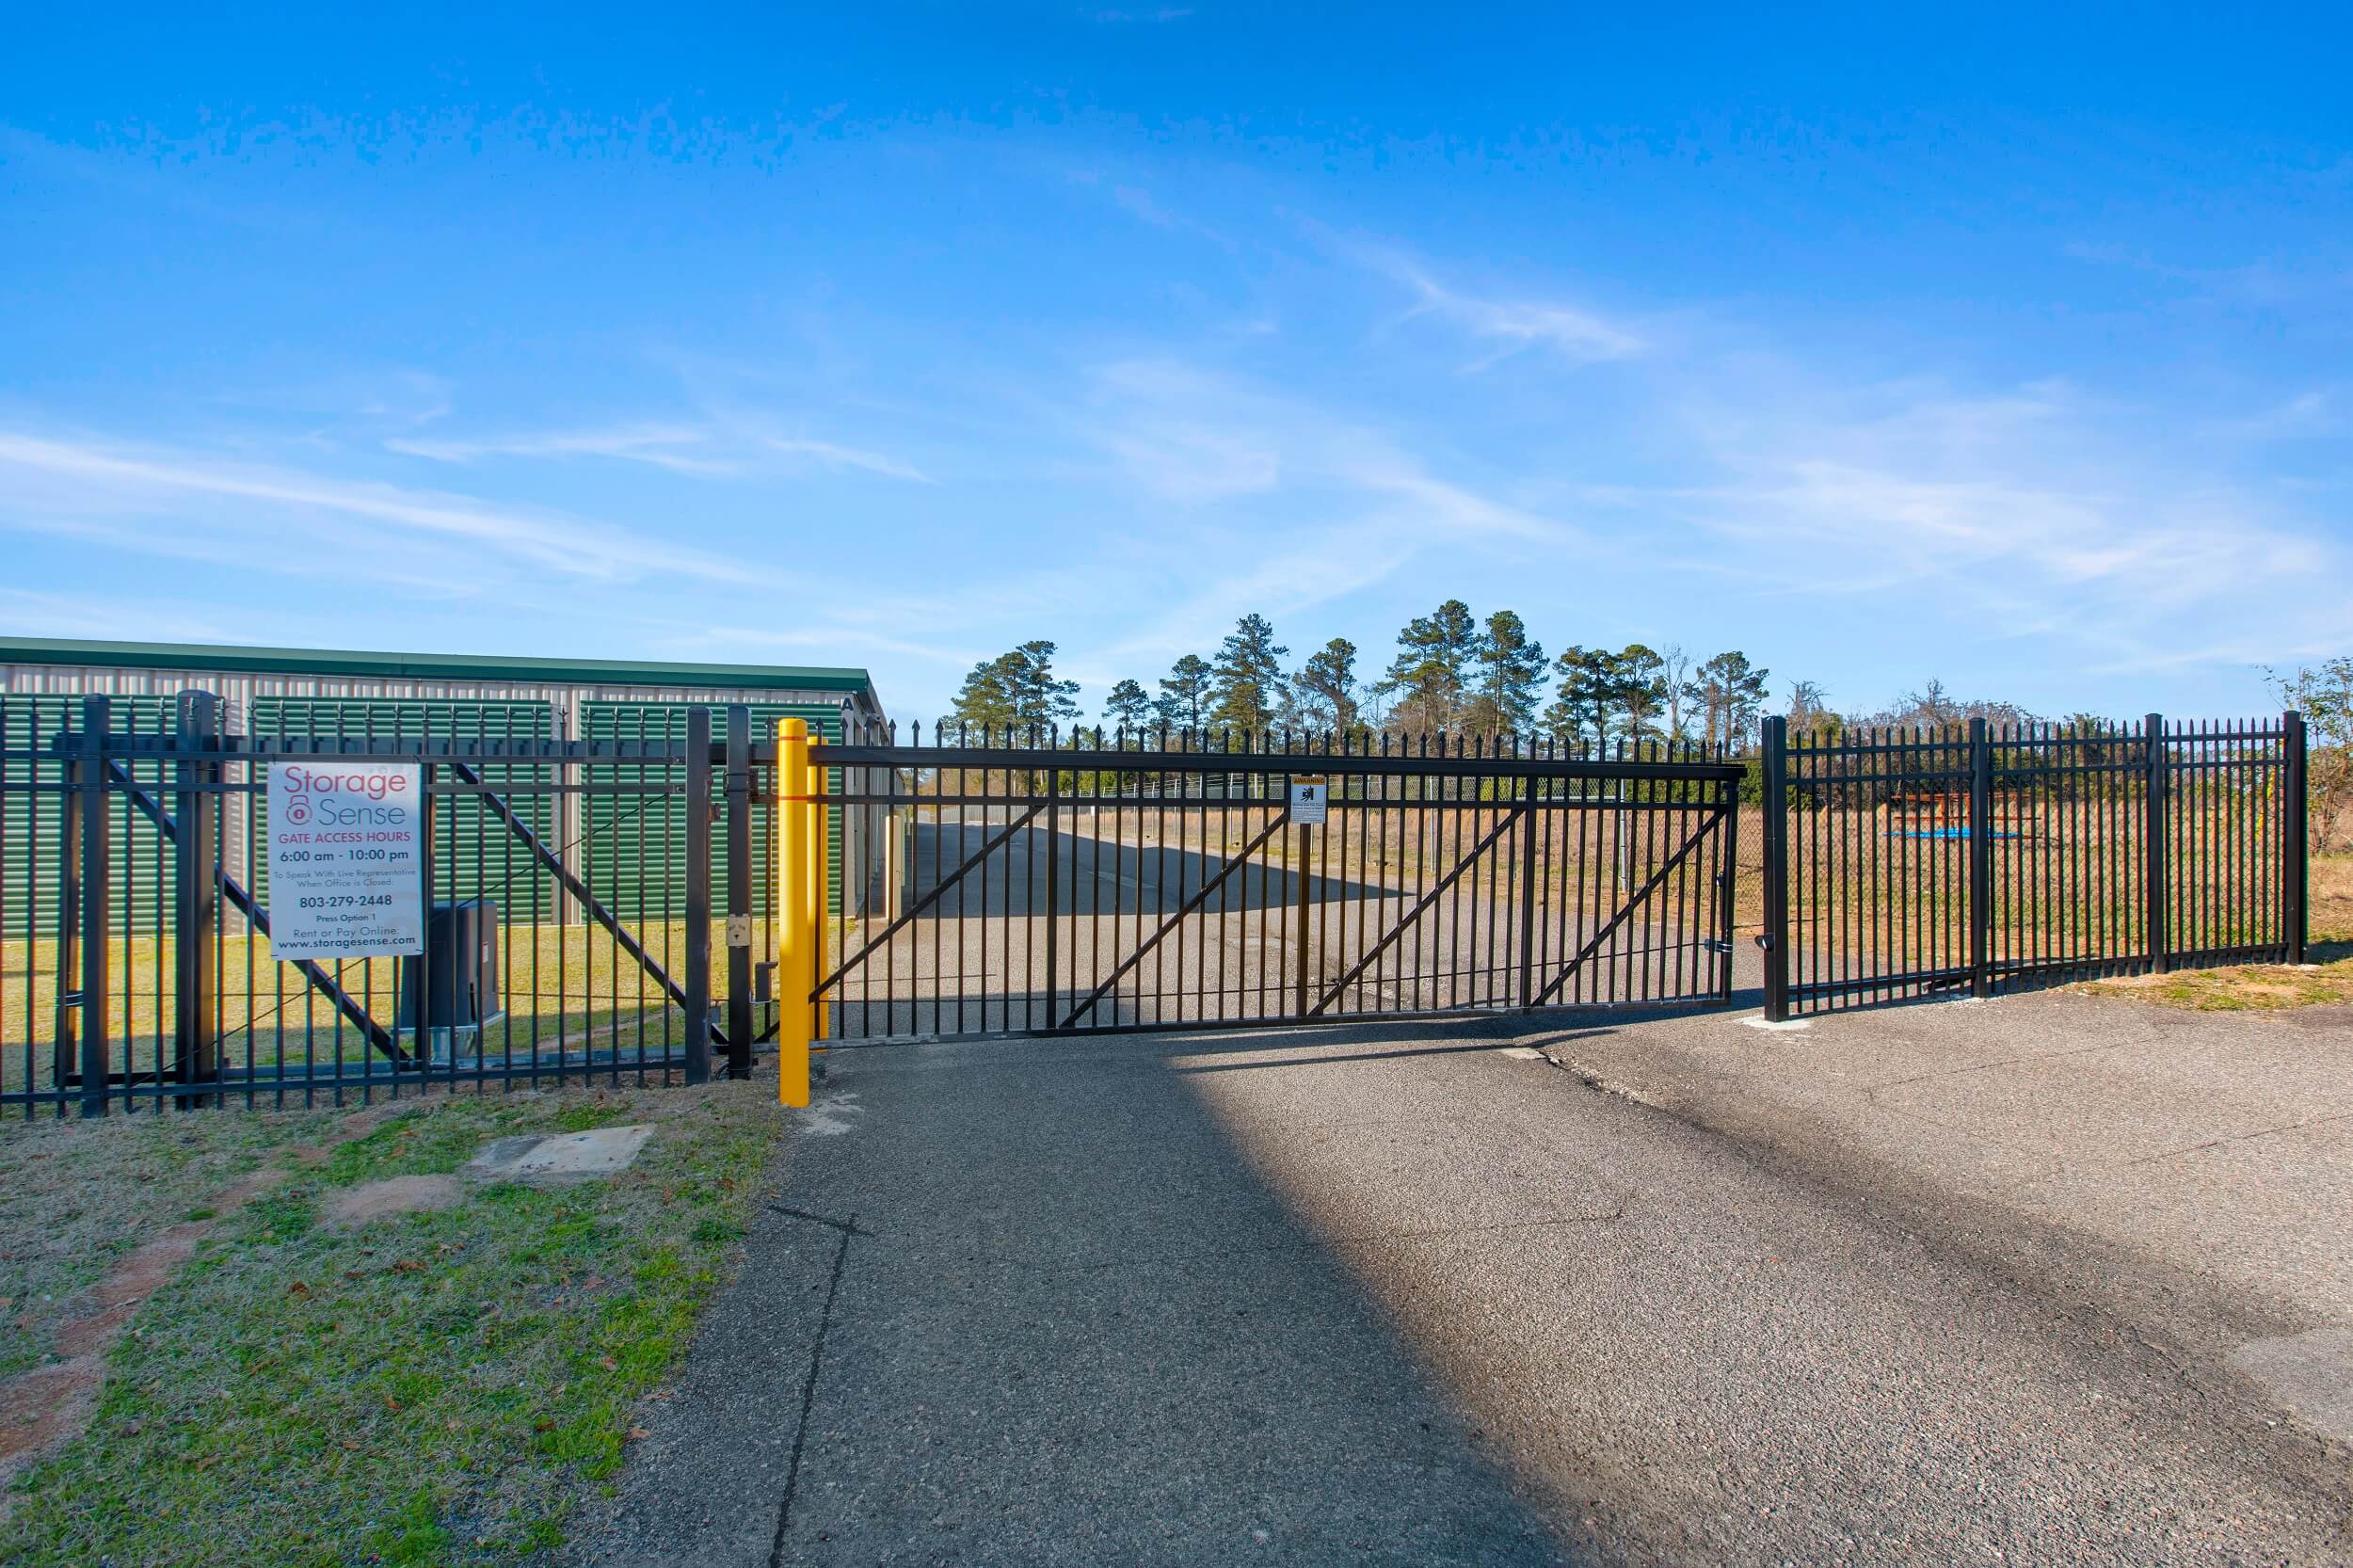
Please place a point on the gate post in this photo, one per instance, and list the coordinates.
(739, 783)
(97, 851)
(1980, 859)
(2153, 874)
(1053, 886)
(1775, 940)
(2293, 843)
(796, 966)
(697, 894)
(819, 894)
(195, 894)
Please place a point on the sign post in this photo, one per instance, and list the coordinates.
(345, 844)
(1307, 798)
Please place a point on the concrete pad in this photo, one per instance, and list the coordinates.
(393, 1196)
(562, 1157)
(2311, 1375)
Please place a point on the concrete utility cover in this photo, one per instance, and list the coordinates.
(563, 1157)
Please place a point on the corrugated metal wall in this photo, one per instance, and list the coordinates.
(633, 850)
(32, 835)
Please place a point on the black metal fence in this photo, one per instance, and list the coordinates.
(136, 968)
(600, 911)
(1045, 884)
(1987, 857)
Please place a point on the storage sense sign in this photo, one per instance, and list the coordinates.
(346, 856)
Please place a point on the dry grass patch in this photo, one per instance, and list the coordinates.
(2242, 989)
(2267, 988)
(77, 1196)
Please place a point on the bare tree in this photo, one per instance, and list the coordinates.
(1674, 668)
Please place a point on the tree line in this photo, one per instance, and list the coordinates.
(1451, 673)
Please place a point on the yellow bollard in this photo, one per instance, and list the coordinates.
(820, 874)
(795, 961)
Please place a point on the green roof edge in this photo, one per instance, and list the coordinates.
(428, 666)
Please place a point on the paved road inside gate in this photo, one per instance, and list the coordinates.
(1420, 1295)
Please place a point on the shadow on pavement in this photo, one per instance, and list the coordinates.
(1025, 1302)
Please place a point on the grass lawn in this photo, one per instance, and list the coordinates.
(432, 1387)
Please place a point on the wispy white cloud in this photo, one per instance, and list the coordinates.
(178, 501)
(1514, 323)
(834, 455)
(1285, 506)
(110, 618)
(1194, 435)
(676, 448)
(739, 446)
(2302, 416)
(828, 639)
(2020, 505)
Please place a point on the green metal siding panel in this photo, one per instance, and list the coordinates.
(634, 847)
(141, 879)
(475, 856)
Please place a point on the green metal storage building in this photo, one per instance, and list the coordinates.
(631, 863)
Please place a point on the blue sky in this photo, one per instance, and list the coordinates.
(2013, 352)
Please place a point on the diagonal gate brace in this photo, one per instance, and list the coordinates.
(990, 846)
(1238, 860)
(1625, 910)
(1428, 899)
(554, 864)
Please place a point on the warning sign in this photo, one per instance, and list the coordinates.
(1307, 798)
(345, 848)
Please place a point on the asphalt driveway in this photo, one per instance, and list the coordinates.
(1459, 1295)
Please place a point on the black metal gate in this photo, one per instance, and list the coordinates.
(576, 891)
(1984, 857)
(1094, 884)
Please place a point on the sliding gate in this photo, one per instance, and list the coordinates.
(1174, 881)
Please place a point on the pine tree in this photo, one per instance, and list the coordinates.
(1127, 709)
(1585, 695)
(1184, 696)
(1730, 693)
(1327, 686)
(1247, 689)
(1017, 691)
(1641, 690)
(1432, 668)
(1508, 676)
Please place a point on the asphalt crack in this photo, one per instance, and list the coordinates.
(846, 1229)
